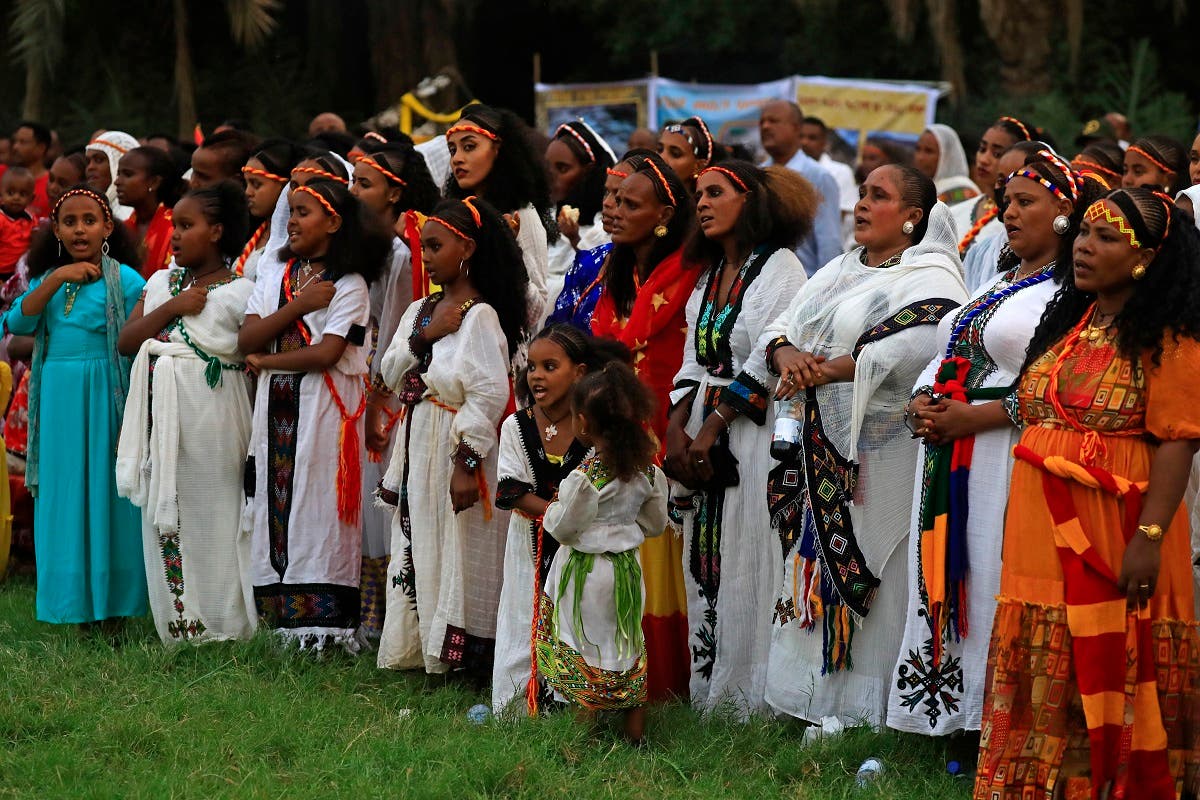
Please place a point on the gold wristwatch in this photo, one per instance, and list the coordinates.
(1152, 532)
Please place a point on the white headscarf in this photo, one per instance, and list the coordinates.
(114, 144)
(1192, 193)
(953, 172)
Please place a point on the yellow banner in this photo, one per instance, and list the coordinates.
(865, 109)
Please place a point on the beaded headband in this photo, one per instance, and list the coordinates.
(708, 140)
(469, 128)
(1155, 160)
(1016, 122)
(1129, 208)
(661, 179)
(579, 137)
(371, 161)
(1033, 176)
(1065, 168)
(83, 190)
(262, 173)
(320, 199)
(101, 141)
(1086, 164)
(321, 173)
(685, 133)
(1099, 210)
(728, 173)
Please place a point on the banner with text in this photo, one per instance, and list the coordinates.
(731, 111)
(612, 109)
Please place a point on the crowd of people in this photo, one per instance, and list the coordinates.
(905, 443)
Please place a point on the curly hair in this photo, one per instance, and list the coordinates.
(518, 176)
(360, 246)
(1166, 300)
(419, 192)
(779, 211)
(588, 193)
(618, 281)
(224, 203)
(45, 253)
(498, 271)
(618, 408)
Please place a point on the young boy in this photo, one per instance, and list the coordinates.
(16, 223)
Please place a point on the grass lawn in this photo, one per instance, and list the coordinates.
(79, 719)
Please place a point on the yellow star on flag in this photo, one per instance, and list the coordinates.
(658, 301)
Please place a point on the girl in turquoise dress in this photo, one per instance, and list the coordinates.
(88, 541)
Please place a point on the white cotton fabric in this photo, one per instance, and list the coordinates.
(437, 158)
(185, 470)
(953, 171)
(864, 419)
(1192, 193)
(962, 214)
(751, 565)
(531, 238)
(114, 144)
(982, 260)
(457, 559)
(924, 699)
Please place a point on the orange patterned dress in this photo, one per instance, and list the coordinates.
(1079, 689)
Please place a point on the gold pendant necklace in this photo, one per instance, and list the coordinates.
(72, 291)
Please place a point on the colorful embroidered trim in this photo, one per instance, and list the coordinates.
(1099, 210)
(324, 203)
(728, 173)
(1033, 176)
(370, 161)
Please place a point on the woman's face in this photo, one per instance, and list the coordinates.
(927, 154)
(566, 170)
(1194, 162)
(443, 252)
(1103, 256)
(63, 175)
(718, 205)
(872, 159)
(472, 157)
(261, 193)
(194, 239)
(98, 173)
(679, 154)
(1029, 218)
(993, 144)
(134, 183)
(82, 227)
(551, 372)
(373, 189)
(638, 212)
(1141, 171)
(309, 226)
(608, 208)
(880, 214)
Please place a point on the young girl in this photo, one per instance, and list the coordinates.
(304, 335)
(538, 448)
(266, 174)
(589, 632)
(148, 182)
(451, 374)
(186, 429)
(87, 539)
(392, 181)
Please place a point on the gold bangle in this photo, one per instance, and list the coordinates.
(1152, 532)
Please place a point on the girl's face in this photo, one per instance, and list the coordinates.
(98, 173)
(195, 239)
(927, 154)
(880, 214)
(1029, 217)
(309, 226)
(373, 189)
(993, 144)
(1141, 171)
(261, 193)
(638, 212)
(134, 182)
(82, 227)
(608, 207)
(1194, 162)
(566, 170)
(63, 176)
(472, 157)
(1103, 257)
(444, 252)
(551, 373)
(718, 205)
(679, 154)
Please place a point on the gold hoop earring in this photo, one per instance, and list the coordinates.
(660, 231)
(1138, 272)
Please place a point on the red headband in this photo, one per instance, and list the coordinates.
(467, 201)
(83, 190)
(309, 190)
(1133, 148)
(1019, 124)
(370, 161)
(466, 126)
(564, 128)
(617, 173)
(662, 179)
(262, 173)
(321, 174)
(729, 174)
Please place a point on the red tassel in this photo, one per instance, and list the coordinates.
(349, 480)
(412, 237)
(531, 688)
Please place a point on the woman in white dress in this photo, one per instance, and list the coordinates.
(750, 221)
(853, 342)
(187, 424)
(959, 410)
(451, 374)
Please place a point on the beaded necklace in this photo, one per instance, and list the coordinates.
(993, 299)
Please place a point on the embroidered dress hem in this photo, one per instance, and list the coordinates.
(569, 674)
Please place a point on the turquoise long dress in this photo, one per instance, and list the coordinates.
(87, 540)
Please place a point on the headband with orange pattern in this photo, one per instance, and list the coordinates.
(616, 173)
(371, 161)
(262, 173)
(728, 173)
(469, 128)
(1155, 160)
(321, 173)
(320, 199)
(83, 190)
(1099, 210)
(579, 137)
(663, 180)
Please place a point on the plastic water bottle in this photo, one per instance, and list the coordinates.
(785, 441)
(479, 714)
(869, 772)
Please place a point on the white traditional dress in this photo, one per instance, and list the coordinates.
(305, 558)
(524, 468)
(589, 633)
(443, 582)
(826, 658)
(993, 331)
(732, 566)
(531, 238)
(182, 447)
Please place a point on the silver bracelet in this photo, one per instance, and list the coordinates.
(717, 411)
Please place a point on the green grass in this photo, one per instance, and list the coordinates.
(79, 719)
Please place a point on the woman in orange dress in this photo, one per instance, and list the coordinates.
(1094, 656)
(646, 289)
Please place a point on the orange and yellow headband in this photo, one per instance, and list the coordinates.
(728, 173)
(370, 161)
(467, 127)
(1099, 210)
(1156, 161)
(457, 231)
(320, 199)
(321, 173)
(616, 173)
(262, 173)
(662, 179)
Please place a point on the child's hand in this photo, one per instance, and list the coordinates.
(190, 302)
(79, 272)
(464, 489)
(254, 363)
(315, 297)
(447, 319)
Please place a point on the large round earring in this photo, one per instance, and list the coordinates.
(104, 247)
(1061, 224)
(1138, 272)
(908, 227)
(660, 231)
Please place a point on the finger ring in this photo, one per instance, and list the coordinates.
(699, 460)
(790, 379)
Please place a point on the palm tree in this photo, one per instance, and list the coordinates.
(37, 36)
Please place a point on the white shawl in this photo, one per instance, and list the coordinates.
(114, 144)
(953, 171)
